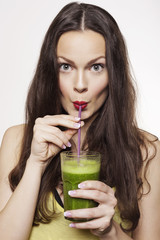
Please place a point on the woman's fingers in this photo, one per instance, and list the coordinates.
(96, 190)
(95, 195)
(49, 139)
(70, 133)
(97, 185)
(99, 223)
(64, 116)
(51, 134)
(101, 216)
(97, 212)
(61, 120)
(54, 139)
(46, 130)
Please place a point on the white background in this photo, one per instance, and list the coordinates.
(23, 24)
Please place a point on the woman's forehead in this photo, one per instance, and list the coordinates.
(81, 43)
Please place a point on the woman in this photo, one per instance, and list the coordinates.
(83, 59)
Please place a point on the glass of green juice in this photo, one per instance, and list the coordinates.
(76, 169)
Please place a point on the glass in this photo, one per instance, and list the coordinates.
(76, 169)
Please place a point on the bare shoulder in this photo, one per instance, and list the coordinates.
(9, 156)
(151, 150)
(11, 147)
(16, 130)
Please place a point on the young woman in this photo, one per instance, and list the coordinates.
(83, 60)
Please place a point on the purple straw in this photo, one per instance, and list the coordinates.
(79, 132)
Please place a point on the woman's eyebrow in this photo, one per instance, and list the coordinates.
(95, 60)
(66, 59)
(89, 63)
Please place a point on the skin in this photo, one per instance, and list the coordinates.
(83, 74)
(48, 140)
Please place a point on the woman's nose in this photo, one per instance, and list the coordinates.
(80, 84)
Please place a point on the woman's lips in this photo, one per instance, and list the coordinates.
(80, 103)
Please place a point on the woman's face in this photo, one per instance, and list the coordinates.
(83, 76)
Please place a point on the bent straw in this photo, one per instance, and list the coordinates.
(79, 132)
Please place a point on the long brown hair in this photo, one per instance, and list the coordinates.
(114, 132)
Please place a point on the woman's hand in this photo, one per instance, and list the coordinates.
(48, 139)
(101, 215)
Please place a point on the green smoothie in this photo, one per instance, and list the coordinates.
(75, 171)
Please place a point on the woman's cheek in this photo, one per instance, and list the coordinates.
(64, 87)
(99, 89)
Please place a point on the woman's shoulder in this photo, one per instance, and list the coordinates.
(11, 145)
(151, 146)
(15, 131)
(13, 137)
(151, 156)
(149, 136)
(9, 157)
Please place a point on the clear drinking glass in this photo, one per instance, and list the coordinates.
(76, 169)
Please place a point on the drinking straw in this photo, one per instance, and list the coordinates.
(79, 132)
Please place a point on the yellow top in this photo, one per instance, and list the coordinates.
(58, 228)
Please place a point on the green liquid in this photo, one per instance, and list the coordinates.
(74, 173)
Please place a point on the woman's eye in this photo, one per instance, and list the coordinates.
(97, 67)
(64, 67)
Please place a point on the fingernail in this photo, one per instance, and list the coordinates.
(82, 123)
(64, 147)
(69, 144)
(72, 225)
(72, 192)
(67, 214)
(77, 125)
(81, 185)
(77, 118)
